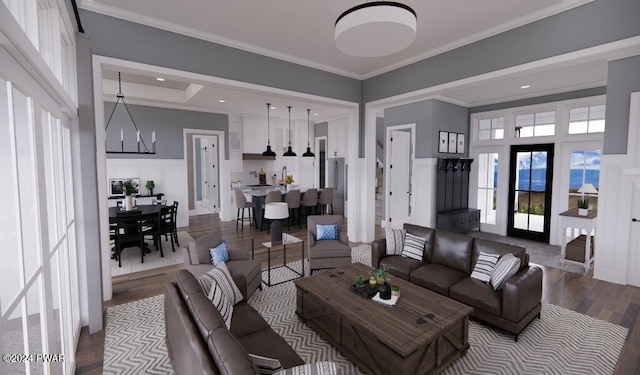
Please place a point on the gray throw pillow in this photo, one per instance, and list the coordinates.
(507, 266)
(395, 240)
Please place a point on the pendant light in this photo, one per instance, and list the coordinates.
(268, 152)
(308, 154)
(289, 150)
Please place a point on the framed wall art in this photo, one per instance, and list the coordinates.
(460, 145)
(453, 140)
(443, 142)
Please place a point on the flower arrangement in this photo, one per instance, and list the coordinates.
(129, 187)
(287, 180)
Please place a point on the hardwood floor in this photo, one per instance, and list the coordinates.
(616, 304)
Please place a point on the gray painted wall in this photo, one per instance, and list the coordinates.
(430, 116)
(168, 124)
(623, 79)
(542, 99)
(87, 220)
(321, 129)
(598, 22)
(126, 40)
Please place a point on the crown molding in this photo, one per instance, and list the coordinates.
(498, 29)
(107, 10)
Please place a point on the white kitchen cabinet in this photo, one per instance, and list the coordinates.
(235, 133)
(235, 161)
(337, 139)
(254, 135)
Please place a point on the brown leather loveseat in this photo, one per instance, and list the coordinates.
(447, 263)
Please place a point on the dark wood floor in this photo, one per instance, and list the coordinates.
(610, 302)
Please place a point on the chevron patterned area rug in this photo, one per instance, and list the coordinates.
(561, 342)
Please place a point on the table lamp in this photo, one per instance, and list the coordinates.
(275, 212)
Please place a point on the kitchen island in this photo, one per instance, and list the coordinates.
(258, 194)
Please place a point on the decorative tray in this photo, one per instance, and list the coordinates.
(364, 291)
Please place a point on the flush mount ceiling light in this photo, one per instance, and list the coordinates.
(374, 29)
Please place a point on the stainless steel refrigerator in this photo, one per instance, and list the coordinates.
(338, 181)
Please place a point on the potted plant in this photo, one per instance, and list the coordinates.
(381, 275)
(395, 290)
(583, 206)
(360, 282)
(129, 187)
(150, 185)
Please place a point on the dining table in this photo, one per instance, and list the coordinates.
(148, 211)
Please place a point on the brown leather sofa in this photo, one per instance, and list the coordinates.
(447, 263)
(245, 271)
(198, 341)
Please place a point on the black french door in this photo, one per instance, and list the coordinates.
(530, 182)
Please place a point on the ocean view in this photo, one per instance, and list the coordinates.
(592, 176)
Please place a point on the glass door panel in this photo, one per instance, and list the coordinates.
(530, 191)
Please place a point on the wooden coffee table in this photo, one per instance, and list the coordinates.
(422, 334)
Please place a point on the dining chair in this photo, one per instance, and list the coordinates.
(326, 201)
(309, 201)
(129, 233)
(242, 204)
(165, 226)
(293, 202)
(174, 224)
(272, 197)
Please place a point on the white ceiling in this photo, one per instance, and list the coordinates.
(307, 38)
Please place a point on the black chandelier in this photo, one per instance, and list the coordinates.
(139, 138)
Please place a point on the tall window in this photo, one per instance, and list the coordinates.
(487, 187)
(587, 119)
(491, 128)
(537, 124)
(584, 169)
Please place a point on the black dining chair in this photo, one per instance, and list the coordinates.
(130, 232)
(174, 224)
(166, 226)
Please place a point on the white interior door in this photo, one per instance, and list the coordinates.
(399, 180)
(210, 174)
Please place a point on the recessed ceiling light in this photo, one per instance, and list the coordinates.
(315, 114)
(272, 107)
(160, 79)
(525, 86)
(222, 101)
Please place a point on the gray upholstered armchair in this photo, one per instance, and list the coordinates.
(245, 272)
(327, 253)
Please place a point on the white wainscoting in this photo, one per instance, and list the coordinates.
(423, 198)
(169, 176)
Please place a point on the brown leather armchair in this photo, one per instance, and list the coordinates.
(245, 272)
(327, 253)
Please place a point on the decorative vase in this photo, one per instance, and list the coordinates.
(583, 211)
(395, 293)
(372, 282)
(150, 191)
(385, 291)
(128, 202)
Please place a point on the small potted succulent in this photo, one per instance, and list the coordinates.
(583, 206)
(395, 290)
(361, 282)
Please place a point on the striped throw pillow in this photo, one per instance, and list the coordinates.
(316, 368)
(484, 266)
(220, 276)
(507, 266)
(222, 303)
(413, 247)
(395, 240)
(266, 365)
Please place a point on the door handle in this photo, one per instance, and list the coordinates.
(635, 220)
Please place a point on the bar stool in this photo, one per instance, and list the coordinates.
(241, 203)
(310, 200)
(272, 197)
(326, 200)
(293, 202)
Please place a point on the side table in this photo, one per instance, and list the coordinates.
(287, 239)
(571, 219)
